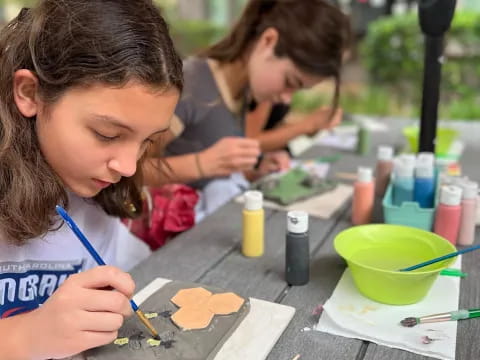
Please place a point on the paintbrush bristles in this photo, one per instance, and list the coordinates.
(409, 322)
(147, 324)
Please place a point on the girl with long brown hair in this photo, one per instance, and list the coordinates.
(85, 87)
(276, 48)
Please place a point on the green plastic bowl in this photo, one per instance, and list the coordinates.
(374, 253)
(444, 140)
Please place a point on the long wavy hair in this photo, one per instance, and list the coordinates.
(314, 34)
(68, 44)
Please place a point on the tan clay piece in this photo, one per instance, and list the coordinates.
(191, 297)
(192, 318)
(225, 304)
(198, 307)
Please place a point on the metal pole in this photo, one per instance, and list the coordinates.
(431, 92)
(435, 17)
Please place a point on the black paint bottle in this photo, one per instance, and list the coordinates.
(297, 264)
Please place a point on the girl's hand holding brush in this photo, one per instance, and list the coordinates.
(83, 313)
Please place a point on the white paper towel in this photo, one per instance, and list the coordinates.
(350, 314)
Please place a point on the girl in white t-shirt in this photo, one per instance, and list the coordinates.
(85, 87)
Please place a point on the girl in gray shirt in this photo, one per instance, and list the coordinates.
(276, 48)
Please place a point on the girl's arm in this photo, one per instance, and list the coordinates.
(279, 137)
(13, 335)
(226, 156)
(272, 139)
(295, 124)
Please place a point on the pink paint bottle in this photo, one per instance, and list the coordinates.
(449, 211)
(363, 197)
(466, 236)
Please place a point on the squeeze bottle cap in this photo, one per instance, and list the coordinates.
(385, 153)
(364, 174)
(253, 200)
(470, 190)
(451, 195)
(402, 168)
(409, 159)
(426, 156)
(297, 222)
(424, 169)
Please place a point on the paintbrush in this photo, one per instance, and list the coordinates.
(63, 213)
(444, 257)
(448, 316)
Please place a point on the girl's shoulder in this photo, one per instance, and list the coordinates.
(200, 87)
(194, 64)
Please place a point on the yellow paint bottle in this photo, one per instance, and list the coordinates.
(253, 224)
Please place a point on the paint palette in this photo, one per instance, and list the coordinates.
(135, 341)
(295, 185)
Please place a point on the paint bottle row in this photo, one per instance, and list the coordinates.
(414, 179)
(297, 251)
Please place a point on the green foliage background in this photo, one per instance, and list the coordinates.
(393, 52)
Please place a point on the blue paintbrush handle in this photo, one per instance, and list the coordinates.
(71, 224)
(444, 257)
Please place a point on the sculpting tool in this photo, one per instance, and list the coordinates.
(63, 213)
(448, 316)
(444, 257)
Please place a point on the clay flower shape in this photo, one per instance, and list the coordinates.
(198, 306)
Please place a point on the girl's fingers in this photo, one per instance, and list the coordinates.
(100, 321)
(105, 276)
(242, 165)
(105, 300)
(248, 153)
(91, 339)
(248, 143)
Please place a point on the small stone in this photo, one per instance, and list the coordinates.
(153, 342)
(151, 315)
(121, 341)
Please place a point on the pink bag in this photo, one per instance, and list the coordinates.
(167, 211)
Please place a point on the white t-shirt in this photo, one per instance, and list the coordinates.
(29, 274)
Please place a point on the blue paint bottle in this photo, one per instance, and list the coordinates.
(424, 188)
(403, 181)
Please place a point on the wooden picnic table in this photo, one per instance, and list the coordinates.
(210, 254)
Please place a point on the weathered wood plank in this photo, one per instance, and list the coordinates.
(263, 277)
(194, 252)
(326, 269)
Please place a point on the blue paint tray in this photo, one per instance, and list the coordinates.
(409, 213)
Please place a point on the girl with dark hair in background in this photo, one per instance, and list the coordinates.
(276, 48)
(85, 87)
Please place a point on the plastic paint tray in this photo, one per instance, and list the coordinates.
(409, 213)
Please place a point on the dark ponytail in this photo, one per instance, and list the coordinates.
(314, 34)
